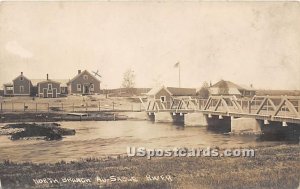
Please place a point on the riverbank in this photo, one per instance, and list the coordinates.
(272, 167)
(61, 116)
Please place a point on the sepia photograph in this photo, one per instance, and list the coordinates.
(149, 94)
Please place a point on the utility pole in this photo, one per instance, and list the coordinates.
(177, 65)
(179, 75)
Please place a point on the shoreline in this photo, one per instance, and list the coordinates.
(60, 116)
(272, 167)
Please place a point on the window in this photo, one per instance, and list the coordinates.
(92, 87)
(21, 89)
(85, 77)
(78, 87)
(163, 98)
(50, 86)
(21, 78)
(63, 90)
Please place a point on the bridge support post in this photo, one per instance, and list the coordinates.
(163, 117)
(195, 119)
(245, 126)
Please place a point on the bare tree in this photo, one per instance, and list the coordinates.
(204, 91)
(128, 80)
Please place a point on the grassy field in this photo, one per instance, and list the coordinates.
(272, 167)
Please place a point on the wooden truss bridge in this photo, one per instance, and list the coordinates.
(268, 108)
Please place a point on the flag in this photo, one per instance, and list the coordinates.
(176, 65)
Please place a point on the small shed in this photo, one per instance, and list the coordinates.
(165, 94)
(160, 93)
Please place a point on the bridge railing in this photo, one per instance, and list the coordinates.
(259, 105)
(285, 106)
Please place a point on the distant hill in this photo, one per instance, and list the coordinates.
(125, 92)
(278, 92)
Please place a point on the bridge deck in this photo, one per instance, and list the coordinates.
(272, 108)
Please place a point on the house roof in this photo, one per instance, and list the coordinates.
(176, 91)
(36, 81)
(63, 82)
(49, 80)
(8, 84)
(78, 75)
(231, 91)
(248, 88)
(155, 90)
(20, 76)
(230, 84)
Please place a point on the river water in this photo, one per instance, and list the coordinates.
(103, 138)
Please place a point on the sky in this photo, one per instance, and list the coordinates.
(254, 43)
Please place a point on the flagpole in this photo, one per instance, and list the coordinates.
(179, 74)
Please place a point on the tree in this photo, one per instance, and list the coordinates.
(204, 90)
(128, 79)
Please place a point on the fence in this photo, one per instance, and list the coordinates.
(69, 107)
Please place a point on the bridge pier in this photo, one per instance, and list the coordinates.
(276, 131)
(220, 124)
(168, 117)
(195, 119)
(163, 117)
(246, 125)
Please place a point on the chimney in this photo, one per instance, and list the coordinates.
(21, 73)
(47, 76)
(79, 71)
